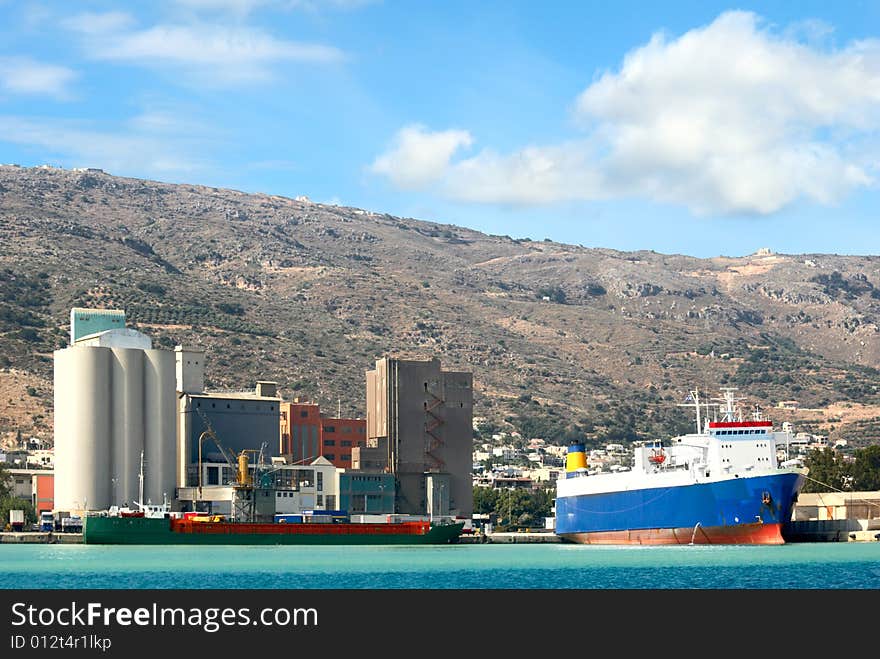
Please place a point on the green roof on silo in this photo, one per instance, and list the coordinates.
(84, 322)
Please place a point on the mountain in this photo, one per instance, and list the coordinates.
(562, 339)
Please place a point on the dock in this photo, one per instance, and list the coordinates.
(509, 538)
(40, 538)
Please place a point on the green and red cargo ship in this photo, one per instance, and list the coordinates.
(137, 530)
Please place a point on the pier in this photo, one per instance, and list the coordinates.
(509, 538)
(40, 538)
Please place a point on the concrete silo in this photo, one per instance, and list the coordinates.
(114, 402)
(128, 413)
(160, 425)
(82, 428)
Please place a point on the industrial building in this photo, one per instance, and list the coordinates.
(279, 488)
(34, 485)
(88, 322)
(339, 437)
(135, 425)
(306, 434)
(114, 417)
(420, 429)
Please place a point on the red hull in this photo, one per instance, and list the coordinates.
(742, 534)
(312, 528)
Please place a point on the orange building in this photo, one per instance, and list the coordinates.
(339, 436)
(44, 492)
(300, 431)
(306, 434)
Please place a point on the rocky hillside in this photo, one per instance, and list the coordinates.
(562, 340)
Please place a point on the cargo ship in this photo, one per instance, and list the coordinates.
(151, 524)
(723, 484)
(137, 529)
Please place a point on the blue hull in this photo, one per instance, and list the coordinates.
(723, 504)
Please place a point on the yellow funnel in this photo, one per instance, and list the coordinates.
(575, 458)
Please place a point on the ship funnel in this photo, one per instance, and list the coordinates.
(575, 457)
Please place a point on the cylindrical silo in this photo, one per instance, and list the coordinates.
(160, 425)
(82, 428)
(127, 432)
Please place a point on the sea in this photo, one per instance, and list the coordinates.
(827, 566)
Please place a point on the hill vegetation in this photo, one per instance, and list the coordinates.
(563, 340)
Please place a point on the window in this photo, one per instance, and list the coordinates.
(346, 430)
(329, 428)
(329, 442)
(320, 481)
(345, 442)
(330, 456)
(304, 413)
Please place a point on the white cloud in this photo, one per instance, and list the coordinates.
(728, 118)
(215, 53)
(417, 156)
(22, 75)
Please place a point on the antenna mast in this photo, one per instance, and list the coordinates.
(141, 482)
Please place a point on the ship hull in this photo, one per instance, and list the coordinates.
(148, 531)
(732, 511)
(742, 534)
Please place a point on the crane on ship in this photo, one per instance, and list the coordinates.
(238, 464)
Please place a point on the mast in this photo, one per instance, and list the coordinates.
(693, 400)
(141, 482)
(729, 412)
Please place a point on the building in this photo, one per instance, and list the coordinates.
(300, 431)
(88, 322)
(366, 493)
(339, 437)
(214, 427)
(279, 488)
(420, 429)
(114, 416)
(34, 485)
(823, 506)
(306, 434)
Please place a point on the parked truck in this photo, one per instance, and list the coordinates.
(71, 524)
(47, 521)
(16, 520)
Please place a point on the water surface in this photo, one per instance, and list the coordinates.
(524, 566)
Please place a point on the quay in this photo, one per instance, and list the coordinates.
(508, 538)
(40, 538)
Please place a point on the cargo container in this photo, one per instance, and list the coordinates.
(288, 519)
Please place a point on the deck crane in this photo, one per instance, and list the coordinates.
(239, 464)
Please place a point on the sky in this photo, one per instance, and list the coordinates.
(694, 128)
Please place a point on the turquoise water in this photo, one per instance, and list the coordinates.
(803, 565)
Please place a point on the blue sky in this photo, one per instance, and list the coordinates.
(682, 127)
